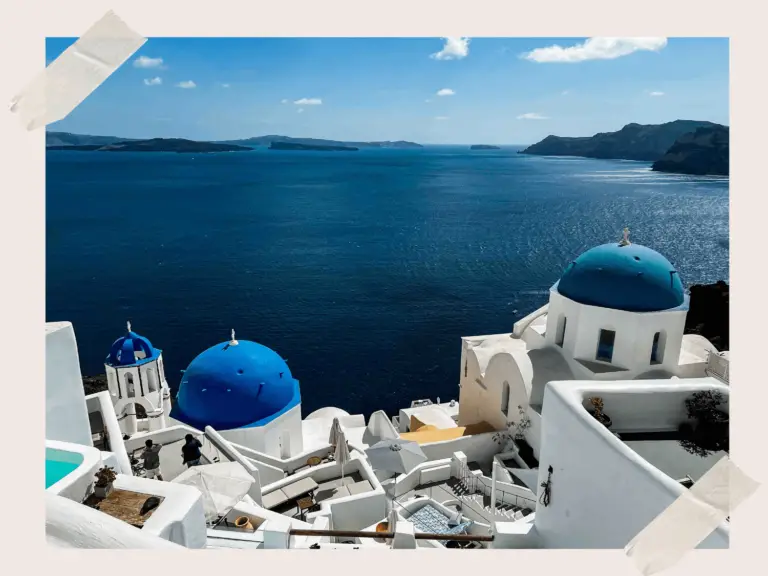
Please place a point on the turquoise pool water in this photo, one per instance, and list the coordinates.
(59, 464)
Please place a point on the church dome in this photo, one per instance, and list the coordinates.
(236, 384)
(623, 276)
(131, 349)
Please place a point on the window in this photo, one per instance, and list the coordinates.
(605, 345)
(560, 334)
(505, 398)
(657, 349)
(130, 386)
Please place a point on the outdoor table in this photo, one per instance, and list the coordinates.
(305, 504)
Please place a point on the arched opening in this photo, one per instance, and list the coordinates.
(560, 334)
(130, 386)
(152, 379)
(605, 345)
(112, 384)
(505, 398)
(657, 348)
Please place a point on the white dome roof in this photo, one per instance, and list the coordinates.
(327, 413)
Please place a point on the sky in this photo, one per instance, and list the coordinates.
(426, 90)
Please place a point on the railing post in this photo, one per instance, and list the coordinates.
(493, 488)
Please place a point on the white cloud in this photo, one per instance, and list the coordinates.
(308, 102)
(300, 110)
(656, 93)
(441, 117)
(598, 48)
(454, 49)
(147, 62)
(186, 84)
(445, 92)
(153, 81)
(532, 116)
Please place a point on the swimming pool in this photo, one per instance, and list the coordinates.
(59, 464)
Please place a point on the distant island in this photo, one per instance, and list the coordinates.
(484, 147)
(178, 145)
(316, 147)
(68, 141)
(269, 140)
(633, 142)
(703, 152)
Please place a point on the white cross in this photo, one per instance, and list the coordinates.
(129, 325)
(625, 241)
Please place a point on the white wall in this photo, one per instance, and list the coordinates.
(634, 334)
(478, 448)
(180, 518)
(602, 492)
(72, 525)
(66, 415)
(267, 438)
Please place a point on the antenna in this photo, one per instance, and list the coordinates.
(129, 325)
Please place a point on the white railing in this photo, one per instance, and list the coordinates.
(505, 493)
(718, 366)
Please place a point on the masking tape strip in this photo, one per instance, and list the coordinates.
(690, 518)
(77, 72)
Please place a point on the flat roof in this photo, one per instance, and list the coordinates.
(672, 459)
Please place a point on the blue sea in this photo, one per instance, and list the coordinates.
(364, 269)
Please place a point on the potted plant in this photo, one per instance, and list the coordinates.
(597, 412)
(104, 479)
(707, 429)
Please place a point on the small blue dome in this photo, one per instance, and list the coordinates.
(131, 349)
(623, 277)
(235, 385)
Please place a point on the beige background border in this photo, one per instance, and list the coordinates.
(22, 232)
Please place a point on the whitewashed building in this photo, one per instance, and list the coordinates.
(613, 330)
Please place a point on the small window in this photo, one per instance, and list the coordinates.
(657, 349)
(605, 345)
(560, 334)
(505, 398)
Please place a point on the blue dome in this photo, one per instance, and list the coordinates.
(235, 385)
(630, 277)
(131, 349)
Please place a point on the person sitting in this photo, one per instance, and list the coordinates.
(191, 451)
(151, 457)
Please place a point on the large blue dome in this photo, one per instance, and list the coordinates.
(623, 277)
(131, 349)
(234, 385)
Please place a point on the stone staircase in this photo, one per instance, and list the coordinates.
(481, 504)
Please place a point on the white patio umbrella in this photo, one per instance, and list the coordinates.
(398, 456)
(333, 439)
(223, 485)
(341, 454)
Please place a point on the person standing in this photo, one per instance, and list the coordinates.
(191, 451)
(151, 457)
